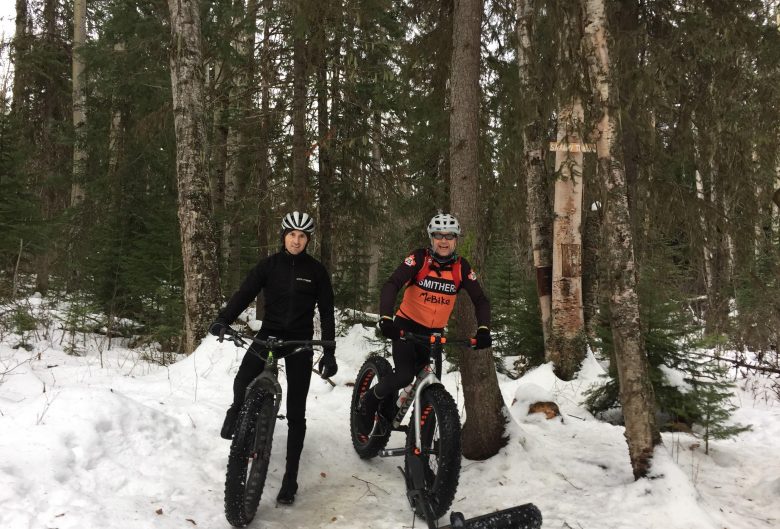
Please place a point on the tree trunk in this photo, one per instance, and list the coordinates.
(46, 163)
(20, 47)
(115, 146)
(539, 218)
(300, 170)
(266, 78)
(713, 241)
(240, 103)
(440, 194)
(79, 102)
(636, 390)
(199, 249)
(327, 178)
(326, 127)
(567, 343)
(375, 177)
(217, 144)
(591, 256)
(483, 432)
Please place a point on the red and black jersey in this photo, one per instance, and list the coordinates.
(431, 289)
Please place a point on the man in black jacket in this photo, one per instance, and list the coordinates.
(293, 282)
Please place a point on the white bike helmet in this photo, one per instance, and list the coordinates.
(443, 222)
(298, 221)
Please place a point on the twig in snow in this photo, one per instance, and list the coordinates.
(564, 478)
(368, 484)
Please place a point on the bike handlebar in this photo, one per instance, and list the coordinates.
(272, 343)
(435, 339)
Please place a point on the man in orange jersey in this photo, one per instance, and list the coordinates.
(433, 276)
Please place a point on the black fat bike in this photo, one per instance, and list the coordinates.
(250, 450)
(432, 454)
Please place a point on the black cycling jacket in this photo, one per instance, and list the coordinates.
(292, 285)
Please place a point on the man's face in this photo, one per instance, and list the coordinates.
(295, 242)
(444, 243)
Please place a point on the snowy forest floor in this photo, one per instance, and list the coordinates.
(110, 440)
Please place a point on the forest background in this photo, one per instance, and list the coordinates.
(144, 167)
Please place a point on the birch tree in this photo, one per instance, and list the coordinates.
(237, 139)
(79, 101)
(539, 217)
(567, 346)
(483, 432)
(636, 391)
(567, 339)
(199, 249)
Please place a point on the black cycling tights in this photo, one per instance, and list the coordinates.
(408, 358)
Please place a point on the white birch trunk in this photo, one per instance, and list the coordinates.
(706, 249)
(240, 102)
(539, 218)
(115, 136)
(199, 254)
(636, 391)
(567, 344)
(79, 102)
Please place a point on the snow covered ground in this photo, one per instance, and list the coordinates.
(108, 440)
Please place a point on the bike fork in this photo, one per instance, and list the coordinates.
(419, 495)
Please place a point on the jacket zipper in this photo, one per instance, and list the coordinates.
(288, 320)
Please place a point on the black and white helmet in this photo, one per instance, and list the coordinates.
(443, 222)
(298, 221)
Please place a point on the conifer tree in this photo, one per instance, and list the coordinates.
(483, 432)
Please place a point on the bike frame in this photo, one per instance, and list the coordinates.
(424, 378)
(268, 379)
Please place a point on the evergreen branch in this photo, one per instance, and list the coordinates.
(740, 363)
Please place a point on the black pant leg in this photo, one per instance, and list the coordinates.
(250, 367)
(406, 360)
(298, 370)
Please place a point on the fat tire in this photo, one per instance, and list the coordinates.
(250, 453)
(442, 483)
(526, 516)
(374, 368)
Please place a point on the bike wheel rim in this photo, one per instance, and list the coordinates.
(431, 441)
(367, 381)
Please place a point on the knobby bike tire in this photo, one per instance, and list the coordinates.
(526, 516)
(250, 453)
(372, 370)
(438, 415)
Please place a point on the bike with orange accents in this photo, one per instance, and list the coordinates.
(432, 452)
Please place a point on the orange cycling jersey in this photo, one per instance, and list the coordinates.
(430, 290)
(430, 296)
